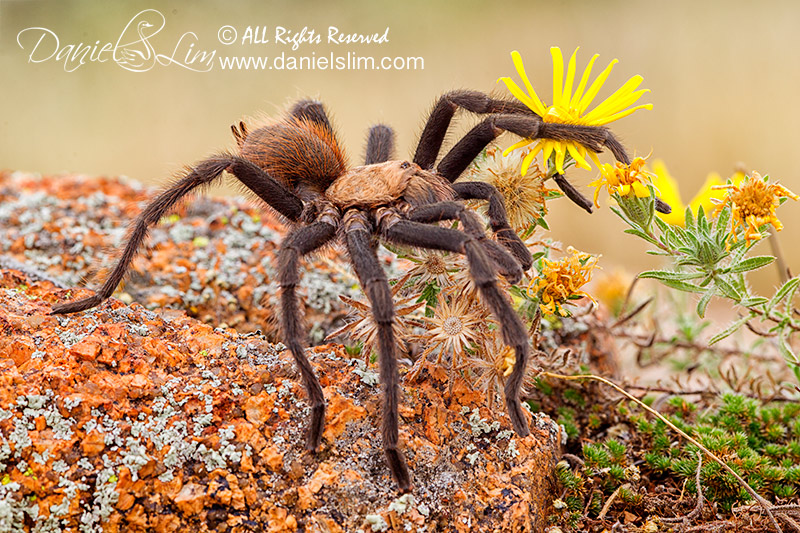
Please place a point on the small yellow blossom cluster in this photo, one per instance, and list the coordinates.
(562, 280)
(753, 203)
(623, 179)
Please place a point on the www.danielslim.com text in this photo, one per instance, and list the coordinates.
(350, 61)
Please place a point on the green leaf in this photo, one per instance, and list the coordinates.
(677, 236)
(663, 226)
(643, 235)
(703, 303)
(736, 324)
(664, 275)
(428, 295)
(784, 348)
(702, 221)
(722, 222)
(752, 263)
(790, 285)
(752, 301)
(728, 289)
(688, 218)
(682, 285)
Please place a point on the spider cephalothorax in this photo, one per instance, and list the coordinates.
(296, 166)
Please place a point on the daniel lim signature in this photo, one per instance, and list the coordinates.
(132, 51)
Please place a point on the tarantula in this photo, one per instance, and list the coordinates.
(296, 166)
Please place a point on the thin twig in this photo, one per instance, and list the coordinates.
(697, 508)
(780, 262)
(639, 309)
(610, 500)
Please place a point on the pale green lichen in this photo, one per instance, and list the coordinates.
(368, 376)
(376, 522)
(480, 426)
(401, 504)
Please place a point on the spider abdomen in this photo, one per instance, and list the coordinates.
(379, 184)
(294, 152)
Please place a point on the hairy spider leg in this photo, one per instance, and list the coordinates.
(409, 233)
(498, 219)
(572, 193)
(530, 127)
(298, 243)
(432, 136)
(202, 174)
(380, 144)
(508, 265)
(358, 233)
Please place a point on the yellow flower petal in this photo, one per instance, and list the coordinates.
(622, 114)
(566, 95)
(558, 74)
(640, 189)
(526, 162)
(584, 79)
(595, 87)
(520, 144)
(569, 107)
(580, 161)
(611, 104)
(547, 149)
(560, 154)
(539, 107)
(521, 96)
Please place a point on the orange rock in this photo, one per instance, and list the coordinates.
(281, 521)
(168, 489)
(87, 349)
(191, 499)
(326, 524)
(138, 385)
(137, 517)
(20, 350)
(324, 475)
(167, 524)
(341, 410)
(258, 409)
(237, 496)
(248, 488)
(125, 501)
(93, 443)
(305, 498)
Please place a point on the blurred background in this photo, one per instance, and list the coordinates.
(723, 76)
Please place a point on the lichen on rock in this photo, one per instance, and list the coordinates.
(123, 431)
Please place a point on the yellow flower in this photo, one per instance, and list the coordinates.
(562, 280)
(524, 193)
(753, 204)
(623, 179)
(571, 107)
(668, 189)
